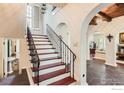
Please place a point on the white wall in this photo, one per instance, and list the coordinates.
(62, 29)
(36, 16)
(72, 15)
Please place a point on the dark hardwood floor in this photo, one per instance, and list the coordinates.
(16, 79)
(100, 74)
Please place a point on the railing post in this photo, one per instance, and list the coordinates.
(60, 47)
(73, 65)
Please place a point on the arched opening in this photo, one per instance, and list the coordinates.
(62, 31)
(84, 39)
(110, 46)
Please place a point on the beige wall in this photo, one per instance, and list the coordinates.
(12, 20)
(24, 54)
(12, 25)
(24, 59)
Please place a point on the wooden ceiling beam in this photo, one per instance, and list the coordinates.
(93, 21)
(107, 18)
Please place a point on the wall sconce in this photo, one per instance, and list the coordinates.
(109, 37)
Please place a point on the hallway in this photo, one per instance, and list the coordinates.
(100, 74)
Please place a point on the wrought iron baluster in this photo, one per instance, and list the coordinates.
(68, 57)
(35, 58)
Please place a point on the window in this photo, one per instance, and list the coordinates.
(35, 17)
(29, 16)
(100, 42)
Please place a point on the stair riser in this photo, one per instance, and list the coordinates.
(46, 51)
(49, 70)
(42, 43)
(54, 79)
(46, 46)
(40, 39)
(38, 36)
(50, 62)
(48, 55)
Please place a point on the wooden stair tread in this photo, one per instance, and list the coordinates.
(49, 75)
(65, 81)
(47, 66)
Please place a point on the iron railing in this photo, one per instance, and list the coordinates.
(34, 56)
(67, 55)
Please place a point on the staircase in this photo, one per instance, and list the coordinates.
(51, 64)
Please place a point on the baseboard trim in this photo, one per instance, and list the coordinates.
(118, 61)
(99, 58)
(115, 65)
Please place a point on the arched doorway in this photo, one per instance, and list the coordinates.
(110, 43)
(62, 31)
(84, 38)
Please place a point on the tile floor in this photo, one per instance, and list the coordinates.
(100, 74)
